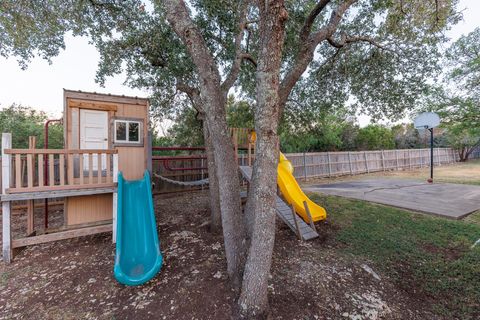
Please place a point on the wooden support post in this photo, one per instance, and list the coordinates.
(350, 162)
(18, 170)
(61, 167)
(6, 235)
(70, 169)
(115, 198)
(30, 203)
(310, 219)
(366, 161)
(249, 154)
(90, 168)
(51, 170)
(299, 232)
(329, 165)
(81, 169)
(99, 167)
(40, 170)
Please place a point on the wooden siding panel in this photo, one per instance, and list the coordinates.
(86, 209)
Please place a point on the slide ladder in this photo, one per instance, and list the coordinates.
(303, 230)
(138, 257)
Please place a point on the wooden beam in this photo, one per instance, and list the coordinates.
(30, 204)
(59, 188)
(307, 209)
(61, 164)
(17, 209)
(109, 98)
(81, 168)
(70, 169)
(88, 190)
(6, 214)
(99, 168)
(18, 171)
(92, 105)
(115, 198)
(18, 243)
(90, 168)
(40, 171)
(51, 171)
(299, 232)
(59, 151)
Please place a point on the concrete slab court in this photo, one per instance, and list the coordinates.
(449, 200)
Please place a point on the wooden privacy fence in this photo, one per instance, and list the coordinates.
(327, 164)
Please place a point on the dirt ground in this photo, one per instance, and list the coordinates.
(73, 279)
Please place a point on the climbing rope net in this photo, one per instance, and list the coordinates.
(182, 183)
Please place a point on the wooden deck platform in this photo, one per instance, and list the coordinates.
(285, 213)
(59, 193)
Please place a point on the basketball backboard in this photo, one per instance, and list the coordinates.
(427, 120)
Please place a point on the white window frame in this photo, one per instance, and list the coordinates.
(127, 131)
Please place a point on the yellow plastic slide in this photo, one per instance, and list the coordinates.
(292, 192)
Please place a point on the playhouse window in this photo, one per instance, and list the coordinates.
(127, 131)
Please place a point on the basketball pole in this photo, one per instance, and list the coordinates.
(431, 153)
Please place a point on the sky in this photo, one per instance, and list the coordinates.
(41, 84)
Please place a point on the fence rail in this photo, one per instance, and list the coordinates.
(328, 164)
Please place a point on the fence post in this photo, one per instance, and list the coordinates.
(304, 166)
(201, 172)
(115, 198)
(350, 162)
(329, 165)
(383, 161)
(420, 155)
(366, 161)
(439, 163)
(396, 156)
(409, 159)
(6, 235)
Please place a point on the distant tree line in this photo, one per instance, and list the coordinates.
(327, 132)
(22, 122)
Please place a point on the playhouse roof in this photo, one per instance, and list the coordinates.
(77, 94)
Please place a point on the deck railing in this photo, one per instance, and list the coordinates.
(34, 170)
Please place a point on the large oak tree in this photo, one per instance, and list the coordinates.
(373, 54)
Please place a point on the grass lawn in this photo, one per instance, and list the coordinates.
(430, 258)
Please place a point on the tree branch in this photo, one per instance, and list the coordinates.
(249, 58)
(307, 46)
(307, 26)
(179, 18)
(352, 39)
(235, 70)
(193, 94)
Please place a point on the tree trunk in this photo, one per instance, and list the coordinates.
(215, 212)
(261, 203)
(234, 232)
(213, 99)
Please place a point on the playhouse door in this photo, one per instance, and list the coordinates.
(93, 134)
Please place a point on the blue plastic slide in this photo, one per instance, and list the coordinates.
(138, 257)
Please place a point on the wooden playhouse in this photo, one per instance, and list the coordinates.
(103, 134)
